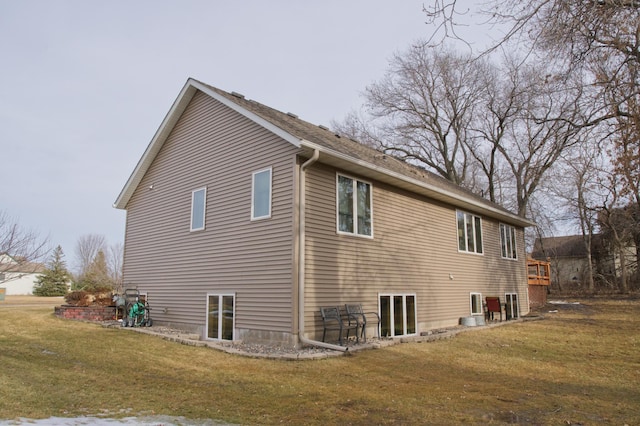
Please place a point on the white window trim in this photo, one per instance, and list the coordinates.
(404, 307)
(253, 193)
(474, 233)
(514, 242)
(206, 326)
(355, 207)
(204, 209)
(479, 295)
(506, 298)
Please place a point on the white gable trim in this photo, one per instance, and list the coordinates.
(179, 105)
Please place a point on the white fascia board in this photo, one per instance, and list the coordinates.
(295, 141)
(453, 198)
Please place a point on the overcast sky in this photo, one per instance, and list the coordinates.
(85, 84)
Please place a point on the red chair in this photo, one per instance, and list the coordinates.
(492, 306)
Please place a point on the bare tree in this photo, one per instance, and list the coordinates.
(24, 246)
(423, 107)
(115, 258)
(87, 249)
(597, 40)
(579, 184)
(618, 226)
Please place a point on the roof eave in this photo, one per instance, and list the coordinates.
(382, 174)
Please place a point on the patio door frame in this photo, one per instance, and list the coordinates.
(392, 314)
(222, 324)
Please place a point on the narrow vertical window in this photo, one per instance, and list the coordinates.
(476, 304)
(198, 208)
(261, 194)
(469, 232)
(364, 208)
(345, 204)
(354, 207)
(508, 242)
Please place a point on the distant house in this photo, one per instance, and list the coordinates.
(242, 221)
(568, 258)
(17, 276)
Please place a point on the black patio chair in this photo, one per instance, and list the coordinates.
(355, 313)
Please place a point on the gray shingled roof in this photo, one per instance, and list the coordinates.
(324, 137)
(340, 152)
(565, 246)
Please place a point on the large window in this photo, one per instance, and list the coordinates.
(220, 316)
(261, 194)
(508, 241)
(476, 304)
(354, 206)
(198, 208)
(397, 315)
(469, 232)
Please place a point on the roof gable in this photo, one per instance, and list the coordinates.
(179, 105)
(334, 150)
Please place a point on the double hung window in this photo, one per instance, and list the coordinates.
(508, 241)
(469, 232)
(354, 207)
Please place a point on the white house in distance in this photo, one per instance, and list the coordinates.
(18, 277)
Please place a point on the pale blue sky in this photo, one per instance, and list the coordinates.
(85, 84)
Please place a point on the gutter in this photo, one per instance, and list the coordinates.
(301, 258)
(447, 196)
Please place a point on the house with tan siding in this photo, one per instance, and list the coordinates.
(242, 221)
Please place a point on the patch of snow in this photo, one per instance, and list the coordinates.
(97, 421)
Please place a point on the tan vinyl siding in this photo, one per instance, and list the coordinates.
(215, 147)
(413, 250)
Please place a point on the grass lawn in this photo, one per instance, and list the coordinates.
(580, 365)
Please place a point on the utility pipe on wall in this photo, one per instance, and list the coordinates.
(301, 257)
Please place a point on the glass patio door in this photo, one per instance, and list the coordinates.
(511, 307)
(220, 316)
(397, 314)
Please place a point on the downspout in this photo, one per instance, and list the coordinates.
(301, 257)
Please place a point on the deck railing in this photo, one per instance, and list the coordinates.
(538, 272)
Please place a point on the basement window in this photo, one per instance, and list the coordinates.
(476, 303)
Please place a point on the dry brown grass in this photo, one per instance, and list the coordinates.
(579, 365)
